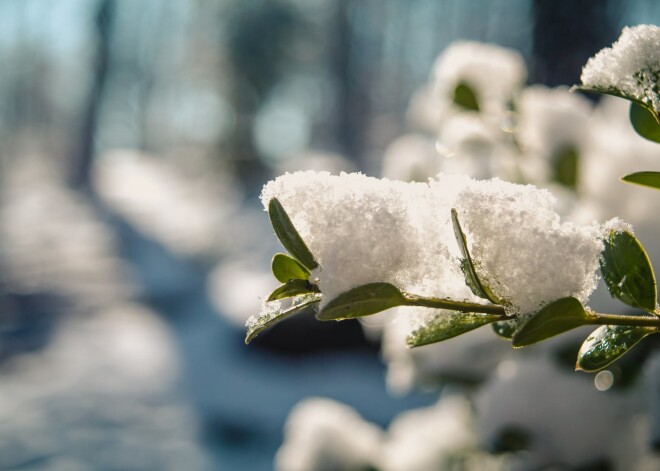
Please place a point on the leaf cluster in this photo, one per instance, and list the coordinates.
(624, 264)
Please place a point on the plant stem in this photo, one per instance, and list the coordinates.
(596, 318)
(616, 319)
(462, 306)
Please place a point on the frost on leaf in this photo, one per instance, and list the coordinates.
(274, 311)
(630, 68)
(445, 325)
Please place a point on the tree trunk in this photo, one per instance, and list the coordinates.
(83, 153)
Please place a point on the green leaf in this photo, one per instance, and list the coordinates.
(607, 343)
(363, 301)
(645, 122)
(467, 265)
(288, 235)
(273, 312)
(627, 271)
(465, 97)
(286, 268)
(293, 288)
(651, 179)
(565, 164)
(642, 116)
(445, 326)
(507, 328)
(607, 91)
(559, 316)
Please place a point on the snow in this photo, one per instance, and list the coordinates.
(359, 228)
(364, 230)
(235, 288)
(323, 435)
(53, 240)
(494, 73)
(631, 66)
(551, 120)
(477, 148)
(535, 395)
(199, 201)
(102, 395)
(521, 248)
(411, 157)
(443, 429)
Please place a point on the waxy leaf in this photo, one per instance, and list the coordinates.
(650, 179)
(559, 316)
(607, 91)
(467, 265)
(627, 271)
(286, 268)
(465, 97)
(362, 301)
(273, 312)
(607, 343)
(507, 328)
(293, 288)
(288, 235)
(645, 122)
(446, 326)
(642, 117)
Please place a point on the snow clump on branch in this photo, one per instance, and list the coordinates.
(363, 230)
(630, 67)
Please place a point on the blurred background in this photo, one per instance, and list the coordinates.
(135, 138)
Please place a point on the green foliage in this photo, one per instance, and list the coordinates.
(627, 271)
(446, 326)
(292, 288)
(465, 97)
(643, 118)
(607, 343)
(557, 317)
(565, 167)
(606, 91)
(650, 179)
(286, 268)
(645, 122)
(288, 235)
(270, 318)
(467, 265)
(508, 327)
(512, 439)
(363, 301)
(625, 266)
